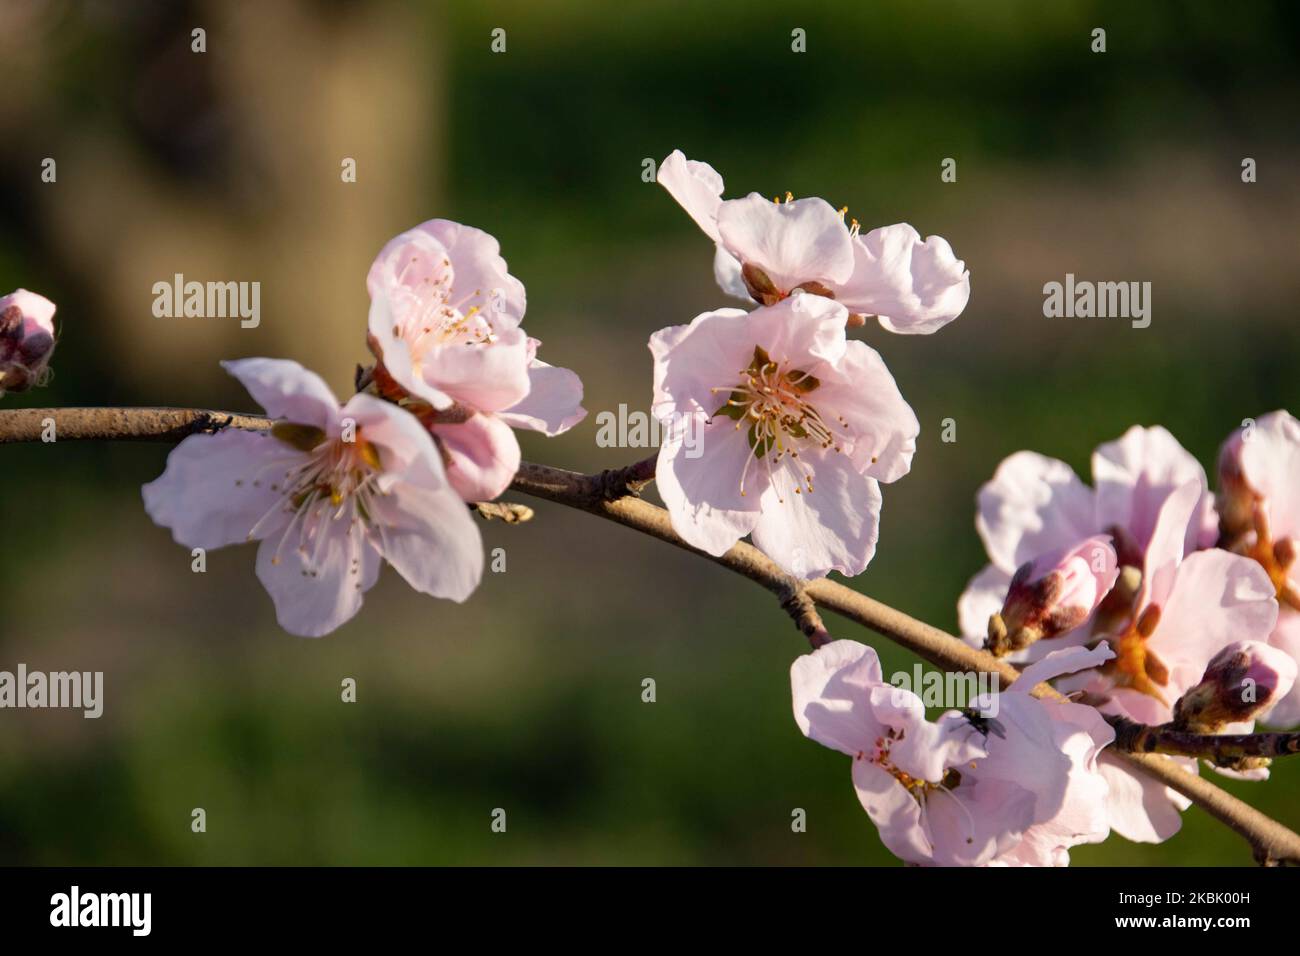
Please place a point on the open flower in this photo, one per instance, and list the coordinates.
(1259, 497)
(328, 492)
(1188, 609)
(1037, 505)
(767, 250)
(26, 340)
(961, 791)
(796, 426)
(444, 324)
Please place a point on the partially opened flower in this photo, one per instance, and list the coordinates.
(1017, 790)
(1036, 506)
(26, 340)
(767, 250)
(1241, 681)
(329, 492)
(1053, 594)
(444, 324)
(794, 427)
(1259, 494)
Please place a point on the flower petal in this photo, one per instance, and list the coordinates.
(483, 456)
(831, 690)
(553, 404)
(318, 586)
(287, 390)
(835, 527)
(696, 186)
(793, 242)
(701, 488)
(861, 391)
(216, 488)
(915, 287)
(1033, 505)
(429, 537)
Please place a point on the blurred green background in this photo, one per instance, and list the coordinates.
(225, 165)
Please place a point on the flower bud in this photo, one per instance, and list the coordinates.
(1053, 594)
(26, 340)
(1240, 682)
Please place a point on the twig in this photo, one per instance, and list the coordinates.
(1221, 749)
(1271, 842)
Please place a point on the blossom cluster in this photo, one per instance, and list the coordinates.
(332, 490)
(1145, 597)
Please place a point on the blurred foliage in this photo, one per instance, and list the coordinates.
(1124, 166)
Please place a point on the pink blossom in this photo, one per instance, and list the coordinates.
(1018, 790)
(1240, 681)
(444, 323)
(1036, 505)
(796, 427)
(26, 340)
(1188, 609)
(767, 250)
(328, 492)
(1054, 593)
(1259, 490)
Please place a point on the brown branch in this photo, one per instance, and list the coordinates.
(1271, 842)
(1224, 750)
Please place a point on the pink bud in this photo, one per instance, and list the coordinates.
(26, 340)
(1053, 594)
(1240, 681)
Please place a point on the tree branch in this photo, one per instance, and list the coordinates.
(1224, 750)
(1271, 842)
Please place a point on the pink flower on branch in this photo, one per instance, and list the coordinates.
(1259, 494)
(329, 492)
(1019, 789)
(26, 340)
(1036, 505)
(796, 427)
(767, 250)
(444, 324)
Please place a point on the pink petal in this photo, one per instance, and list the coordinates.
(481, 277)
(318, 587)
(553, 404)
(915, 287)
(703, 494)
(861, 390)
(216, 488)
(894, 811)
(1141, 809)
(831, 693)
(1286, 637)
(488, 377)
(430, 538)
(696, 186)
(835, 527)
(793, 242)
(483, 456)
(1270, 460)
(394, 351)
(287, 390)
(1033, 505)
(1217, 598)
(1133, 476)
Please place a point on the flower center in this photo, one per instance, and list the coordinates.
(1135, 665)
(1276, 557)
(772, 404)
(326, 481)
